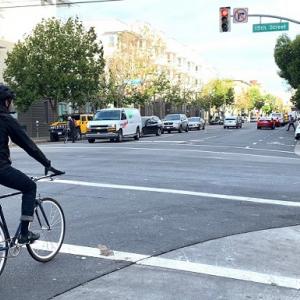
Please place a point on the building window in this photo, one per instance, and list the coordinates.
(141, 44)
(189, 66)
(196, 68)
(179, 62)
(111, 41)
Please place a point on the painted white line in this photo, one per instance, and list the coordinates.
(146, 260)
(178, 192)
(288, 282)
(187, 143)
(179, 150)
(91, 252)
(243, 148)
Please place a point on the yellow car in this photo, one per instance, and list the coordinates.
(59, 128)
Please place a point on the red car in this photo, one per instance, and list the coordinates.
(265, 123)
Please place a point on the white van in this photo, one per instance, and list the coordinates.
(115, 124)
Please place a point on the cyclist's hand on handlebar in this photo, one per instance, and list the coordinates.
(53, 171)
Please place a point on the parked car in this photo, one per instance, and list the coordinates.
(253, 119)
(58, 129)
(216, 121)
(152, 125)
(175, 122)
(196, 123)
(233, 121)
(115, 124)
(278, 118)
(265, 122)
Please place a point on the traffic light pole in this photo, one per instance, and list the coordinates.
(272, 16)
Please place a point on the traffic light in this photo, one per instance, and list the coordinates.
(225, 19)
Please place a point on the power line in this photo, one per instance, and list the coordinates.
(62, 3)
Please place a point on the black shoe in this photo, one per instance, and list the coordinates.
(28, 238)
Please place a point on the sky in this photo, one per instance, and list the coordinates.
(239, 54)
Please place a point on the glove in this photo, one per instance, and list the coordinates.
(53, 171)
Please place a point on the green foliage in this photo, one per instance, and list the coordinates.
(287, 57)
(296, 98)
(159, 86)
(218, 92)
(255, 97)
(174, 95)
(60, 62)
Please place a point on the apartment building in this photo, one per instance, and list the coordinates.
(5, 46)
(181, 63)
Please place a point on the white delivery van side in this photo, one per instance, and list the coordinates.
(115, 124)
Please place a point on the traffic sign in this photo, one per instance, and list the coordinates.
(264, 27)
(240, 15)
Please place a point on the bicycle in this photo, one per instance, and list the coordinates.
(66, 135)
(49, 222)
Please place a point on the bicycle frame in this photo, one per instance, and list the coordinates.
(12, 240)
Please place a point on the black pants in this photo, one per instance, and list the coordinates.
(291, 124)
(15, 179)
(73, 135)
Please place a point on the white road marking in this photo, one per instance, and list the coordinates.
(174, 150)
(212, 270)
(244, 147)
(91, 252)
(225, 272)
(178, 192)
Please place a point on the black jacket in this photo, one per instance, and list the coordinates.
(10, 128)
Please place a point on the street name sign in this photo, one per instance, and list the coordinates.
(240, 15)
(264, 27)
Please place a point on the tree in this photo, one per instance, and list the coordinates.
(134, 67)
(255, 97)
(58, 62)
(286, 54)
(218, 93)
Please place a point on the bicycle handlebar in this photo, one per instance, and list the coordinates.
(35, 179)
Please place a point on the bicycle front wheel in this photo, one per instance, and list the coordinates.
(49, 222)
(3, 249)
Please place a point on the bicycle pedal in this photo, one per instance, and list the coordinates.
(15, 250)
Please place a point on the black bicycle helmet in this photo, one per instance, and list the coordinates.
(6, 93)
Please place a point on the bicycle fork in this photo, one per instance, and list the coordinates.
(39, 204)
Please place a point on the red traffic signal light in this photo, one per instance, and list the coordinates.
(224, 12)
(225, 19)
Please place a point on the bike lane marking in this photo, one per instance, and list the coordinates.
(178, 192)
(186, 266)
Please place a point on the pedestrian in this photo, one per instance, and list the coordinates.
(10, 129)
(72, 129)
(291, 123)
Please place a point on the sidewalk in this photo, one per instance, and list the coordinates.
(258, 265)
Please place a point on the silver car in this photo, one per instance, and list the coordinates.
(196, 123)
(175, 122)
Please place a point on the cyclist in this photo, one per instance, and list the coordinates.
(71, 128)
(11, 177)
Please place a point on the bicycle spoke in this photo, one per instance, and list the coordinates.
(51, 229)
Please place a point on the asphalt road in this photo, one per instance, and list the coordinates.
(167, 206)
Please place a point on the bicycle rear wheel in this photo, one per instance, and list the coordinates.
(49, 222)
(3, 245)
